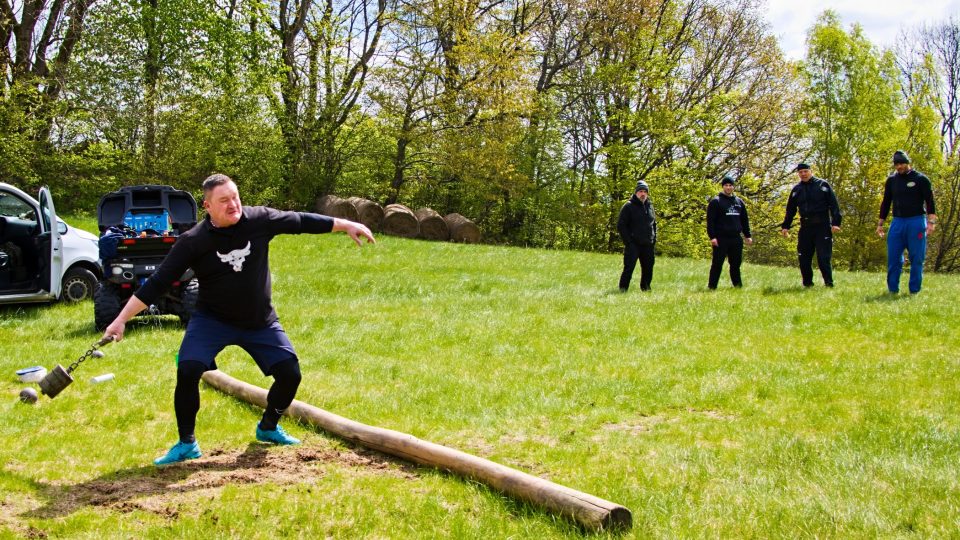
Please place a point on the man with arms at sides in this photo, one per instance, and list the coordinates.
(727, 225)
(637, 225)
(819, 218)
(914, 218)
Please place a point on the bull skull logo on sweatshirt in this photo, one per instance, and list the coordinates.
(236, 257)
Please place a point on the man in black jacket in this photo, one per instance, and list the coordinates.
(637, 226)
(819, 218)
(229, 253)
(727, 225)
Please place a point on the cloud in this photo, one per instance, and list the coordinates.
(882, 20)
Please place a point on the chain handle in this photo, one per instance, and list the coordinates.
(103, 341)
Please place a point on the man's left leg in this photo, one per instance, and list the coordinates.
(647, 260)
(917, 247)
(736, 259)
(275, 356)
(286, 380)
(825, 253)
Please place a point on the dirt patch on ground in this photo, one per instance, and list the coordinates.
(158, 490)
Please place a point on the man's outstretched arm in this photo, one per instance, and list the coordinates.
(354, 230)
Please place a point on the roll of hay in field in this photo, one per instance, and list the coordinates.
(432, 225)
(398, 220)
(462, 229)
(334, 206)
(371, 213)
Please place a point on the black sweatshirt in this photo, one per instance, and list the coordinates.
(727, 217)
(232, 264)
(638, 222)
(816, 202)
(908, 193)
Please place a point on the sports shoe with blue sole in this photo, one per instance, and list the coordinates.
(179, 452)
(276, 436)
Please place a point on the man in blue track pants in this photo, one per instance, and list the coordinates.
(914, 218)
(229, 253)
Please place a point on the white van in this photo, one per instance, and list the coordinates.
(41, 257)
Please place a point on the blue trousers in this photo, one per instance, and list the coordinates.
(906, 234)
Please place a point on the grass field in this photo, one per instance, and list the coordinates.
(766, 412)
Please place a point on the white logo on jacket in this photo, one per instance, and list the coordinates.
(236, 257)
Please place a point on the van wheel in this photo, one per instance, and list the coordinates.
(78, 284)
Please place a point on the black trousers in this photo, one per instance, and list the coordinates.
(730, 247)
(186, 395)
(632, 252)
(815, 238)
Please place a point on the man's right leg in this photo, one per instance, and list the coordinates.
(204, 339)
(716, 263)
(806, 242)
(186, 404)
(629, 263)
(896, 243)
(186, 398)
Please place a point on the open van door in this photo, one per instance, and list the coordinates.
(49, 227)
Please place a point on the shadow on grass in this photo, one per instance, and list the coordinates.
(887, 297)
(149, 488)
(118, 487)
(773, 291)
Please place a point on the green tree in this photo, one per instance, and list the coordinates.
(852, 118)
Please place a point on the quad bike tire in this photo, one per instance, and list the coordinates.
(106, 305)
(188, 300)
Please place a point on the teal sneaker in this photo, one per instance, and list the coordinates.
(180, 452)
(276, 436)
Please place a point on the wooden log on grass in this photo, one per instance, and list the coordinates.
(432, 225)
(592, 512)
(333, 206)
(371, 213)
(398, 220)
(462, 229)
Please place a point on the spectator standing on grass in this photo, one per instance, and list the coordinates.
(727, 226)
(637, 226)
(820, 217)
(229, 253)
(914, 218)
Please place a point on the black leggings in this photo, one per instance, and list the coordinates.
(186, 396)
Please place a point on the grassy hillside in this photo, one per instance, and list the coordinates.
(771, 411)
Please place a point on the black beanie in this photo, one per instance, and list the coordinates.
(727, 180)
(642, 186)
(900, 157)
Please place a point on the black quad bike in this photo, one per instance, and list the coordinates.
(138, 227)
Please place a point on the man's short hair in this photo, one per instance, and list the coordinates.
(215, 180)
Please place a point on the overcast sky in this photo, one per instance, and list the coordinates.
(881, 19)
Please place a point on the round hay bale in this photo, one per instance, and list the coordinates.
(432, 225)
(462, 229)
(398, 220)
(371, 213)
(333, 206)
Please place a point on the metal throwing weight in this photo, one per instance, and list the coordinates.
(59, 378)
